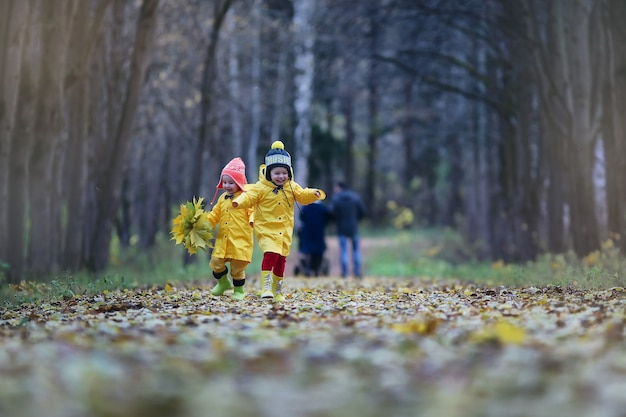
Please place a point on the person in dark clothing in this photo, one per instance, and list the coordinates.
(312, 234)
(348, 209)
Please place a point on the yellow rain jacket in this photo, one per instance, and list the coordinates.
(235, 238)
(274, 211)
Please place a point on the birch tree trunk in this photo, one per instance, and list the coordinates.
(304, 40)
(111, 184)
(255, 96)
(279, 95)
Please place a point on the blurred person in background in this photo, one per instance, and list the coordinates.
(348, 210)
(312, 240)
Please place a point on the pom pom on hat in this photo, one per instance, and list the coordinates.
(277, 156)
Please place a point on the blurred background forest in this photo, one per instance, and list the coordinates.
(499, 119)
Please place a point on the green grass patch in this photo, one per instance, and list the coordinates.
(441, 255)
(429, 254)
(129, 267)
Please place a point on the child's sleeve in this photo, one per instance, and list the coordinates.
(247, 199)
(215, 214)
(307, 195)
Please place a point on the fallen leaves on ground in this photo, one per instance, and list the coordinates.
(372, 347)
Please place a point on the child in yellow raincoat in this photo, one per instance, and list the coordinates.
(235, 240)
(273, 198)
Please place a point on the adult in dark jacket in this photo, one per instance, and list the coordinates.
(348, 209)
(314, 218)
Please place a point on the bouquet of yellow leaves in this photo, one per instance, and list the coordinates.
(192, 227)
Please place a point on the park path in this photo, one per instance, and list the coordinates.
(392, 346)
(368, 246)
(335, 347)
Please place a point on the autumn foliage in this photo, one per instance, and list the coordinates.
(192, 227)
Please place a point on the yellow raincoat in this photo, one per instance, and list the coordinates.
(274, 211)
(234, 239)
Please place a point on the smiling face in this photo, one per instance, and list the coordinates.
(279, 175)
(229, 184)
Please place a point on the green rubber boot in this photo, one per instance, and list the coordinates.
(223, 284)
(239, 293)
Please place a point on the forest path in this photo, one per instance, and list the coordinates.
(368, 246)
(336, 347)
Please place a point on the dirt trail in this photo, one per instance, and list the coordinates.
(336, 347)
(368, 246)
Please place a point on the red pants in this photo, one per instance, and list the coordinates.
(274, 262)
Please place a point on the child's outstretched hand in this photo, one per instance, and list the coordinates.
(317, 193)
(235, 204)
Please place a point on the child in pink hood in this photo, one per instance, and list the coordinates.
(234, 240)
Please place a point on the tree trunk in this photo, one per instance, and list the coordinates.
(304, 40)
(613, 129)
(234, 86)
(455, 201)
(279, 96)
(347, 110)
(15, 16)
(408, 138)
(555, 191)
(585, 108)
(209, 72)
(152, 165)
(614, 157)
(109, 79)
(372, 131)
(486, 213)
(110, 185)
(255, 96)
(5, 139)
(564, 45)
(22, 137)
(82, 41)
(48, 128)
(583, 221)
(526, 224)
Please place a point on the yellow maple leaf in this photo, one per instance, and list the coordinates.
(191, 227)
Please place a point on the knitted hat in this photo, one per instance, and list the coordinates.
(277, 157)
(235, 169)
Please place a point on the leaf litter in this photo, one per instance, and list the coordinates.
(371, 347)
